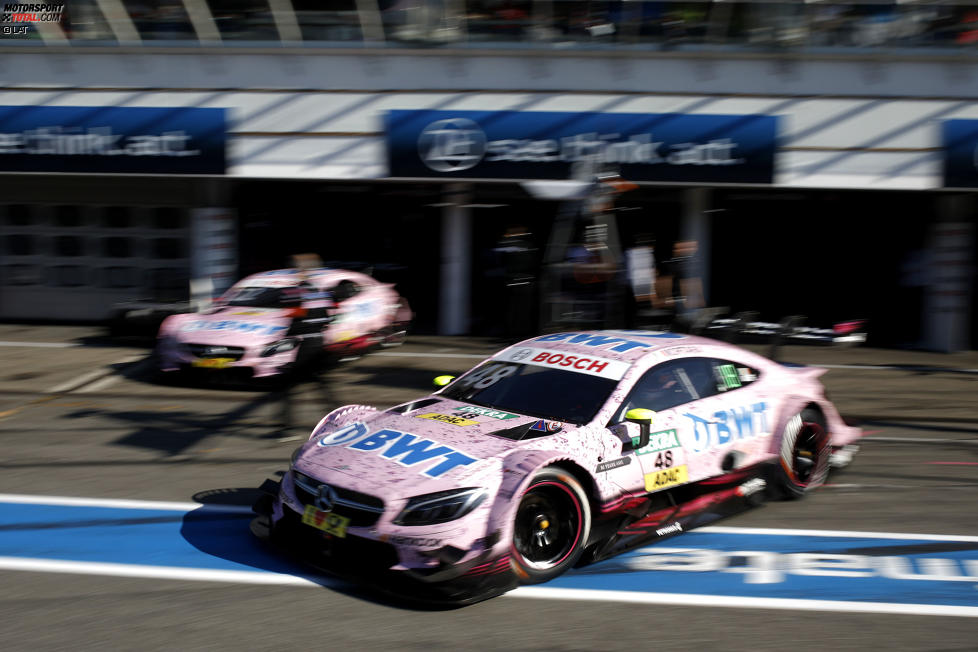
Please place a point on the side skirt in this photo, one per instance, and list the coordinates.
(663, 514)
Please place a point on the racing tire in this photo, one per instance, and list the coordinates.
(550, 528)
(803, 460)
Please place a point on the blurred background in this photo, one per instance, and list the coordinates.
(812, 159)
(515, 167)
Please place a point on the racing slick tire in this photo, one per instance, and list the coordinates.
(803, 462)
(551, 526)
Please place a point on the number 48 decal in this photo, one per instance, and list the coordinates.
(663, 460)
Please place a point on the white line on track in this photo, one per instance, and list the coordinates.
(532, 592)
(78, 381)
(116, 503)
(918, 440)
(41, 345)
(156, 572)
(113, 378)
(692, 600)
(719, 529)
(93, 376)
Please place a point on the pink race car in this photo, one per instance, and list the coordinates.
(558, 451)
(269, 322)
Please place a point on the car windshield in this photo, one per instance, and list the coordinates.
(532, 390)
(263, 297)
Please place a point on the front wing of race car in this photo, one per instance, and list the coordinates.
(372, 563)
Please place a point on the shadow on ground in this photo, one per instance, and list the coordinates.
(220, 528)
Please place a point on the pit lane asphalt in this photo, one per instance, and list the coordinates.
(83, 417)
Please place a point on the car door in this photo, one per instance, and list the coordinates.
(670, 389)
(729, 428)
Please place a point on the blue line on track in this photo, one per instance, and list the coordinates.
(901, 571)
(202, 538)
(783, 566)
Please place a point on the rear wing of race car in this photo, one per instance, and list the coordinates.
(744, 327)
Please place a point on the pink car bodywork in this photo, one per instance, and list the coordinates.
(437, 444)
(238, 336)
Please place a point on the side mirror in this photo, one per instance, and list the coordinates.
(643, 418)
(441, 381)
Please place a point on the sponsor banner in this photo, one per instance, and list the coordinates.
(960, 141)
(612, 342)
(485, 412)
(593, 365)
(233, 326)
(658, 441)
(407, 449)
(547, 145)
(728, 426)
(112, 139)
(666, 478)
(611, 465)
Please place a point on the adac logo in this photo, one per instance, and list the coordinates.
(452, 145)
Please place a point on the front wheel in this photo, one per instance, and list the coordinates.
(551, 526)
(803, 464)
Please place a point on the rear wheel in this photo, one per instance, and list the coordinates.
(803, 464)
(551, 526)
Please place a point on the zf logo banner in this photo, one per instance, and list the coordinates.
(176, 140)
(546, 145)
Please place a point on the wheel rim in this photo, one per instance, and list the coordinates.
(548, 525)
(806, 453)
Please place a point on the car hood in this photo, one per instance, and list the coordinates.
(232, 325)
(433, 445)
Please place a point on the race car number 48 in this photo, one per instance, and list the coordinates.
(326, 521)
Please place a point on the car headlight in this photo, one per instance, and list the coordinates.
(279, 347)
(440, 507)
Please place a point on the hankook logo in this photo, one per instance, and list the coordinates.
(452, 145)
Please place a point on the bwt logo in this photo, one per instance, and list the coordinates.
(452, 145)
